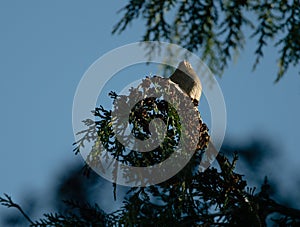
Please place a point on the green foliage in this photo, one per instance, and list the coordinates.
(215, 197)
(216, 29)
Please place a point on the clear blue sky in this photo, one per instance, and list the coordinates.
(45, 48)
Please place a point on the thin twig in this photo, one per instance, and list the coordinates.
(9, 203)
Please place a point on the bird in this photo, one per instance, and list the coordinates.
(188, 81)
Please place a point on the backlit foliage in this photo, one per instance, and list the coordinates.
(217, 29)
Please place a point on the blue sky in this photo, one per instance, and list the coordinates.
(45, 48)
